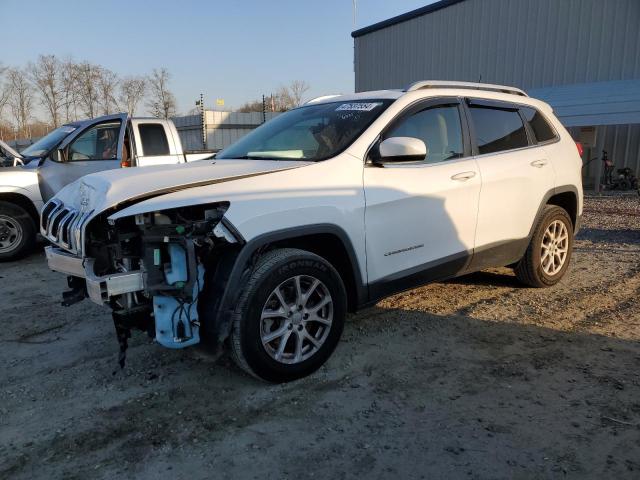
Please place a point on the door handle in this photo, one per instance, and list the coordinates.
(538, 163)
(463, 176)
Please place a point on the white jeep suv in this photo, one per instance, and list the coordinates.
(324, 210)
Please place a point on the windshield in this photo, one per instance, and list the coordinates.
(46, 143)
(313, 132)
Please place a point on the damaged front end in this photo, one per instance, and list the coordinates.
(152, 268)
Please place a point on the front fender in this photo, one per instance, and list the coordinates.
(16, 180)
(217, 310)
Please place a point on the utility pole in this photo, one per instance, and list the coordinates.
(203, 122)
(355, 12)
(264, 109)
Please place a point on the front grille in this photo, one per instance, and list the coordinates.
(63, 225)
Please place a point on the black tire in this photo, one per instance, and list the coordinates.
(14, 218)
(271, 270)
(529, 269)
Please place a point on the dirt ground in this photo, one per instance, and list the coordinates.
(472, 378)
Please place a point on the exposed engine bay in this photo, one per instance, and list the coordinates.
(177, 252)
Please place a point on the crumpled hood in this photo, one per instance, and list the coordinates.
(100, 191)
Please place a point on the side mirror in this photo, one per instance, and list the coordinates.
(402, 149)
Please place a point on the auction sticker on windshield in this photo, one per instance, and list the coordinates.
(359, 107)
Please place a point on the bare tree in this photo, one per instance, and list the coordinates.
(131, 93)
(296, 91)
(286, 98)
(69, 91)
(291, 96)
(162, 102)
(5, 89)
(87, 86)
(107, 86)
(46, 77)
(20, 100)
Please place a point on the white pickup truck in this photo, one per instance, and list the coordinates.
(73, 151)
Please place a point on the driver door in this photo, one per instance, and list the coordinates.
(95, 148)
(421, 216)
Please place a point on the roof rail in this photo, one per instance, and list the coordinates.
(470, 85)
(323, 97)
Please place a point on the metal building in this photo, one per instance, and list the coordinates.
(222, 128)
(581, 56)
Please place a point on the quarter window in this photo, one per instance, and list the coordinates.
(498, 129)
(154, 140)
(100, 142)
(541, 128)
(438, 127)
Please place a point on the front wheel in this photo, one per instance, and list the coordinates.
(17, 231)
(547, 257)
(290, 316)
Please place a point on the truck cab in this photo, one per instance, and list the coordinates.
(71, 152)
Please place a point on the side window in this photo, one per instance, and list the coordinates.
(154, 139)
(438, 127)
(541, 129)
(498, 129)
(100, 142)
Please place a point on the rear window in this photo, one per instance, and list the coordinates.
(541, 128)
(498, 129)
(154, 140)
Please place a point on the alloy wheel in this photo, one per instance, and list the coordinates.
(296, 319)
(555, 247)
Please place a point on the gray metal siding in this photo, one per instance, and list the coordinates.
(622, 144)
(223, 128)
(523, 43)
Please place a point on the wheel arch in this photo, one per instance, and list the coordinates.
(326, 240)
(567, 198)
(23, 202)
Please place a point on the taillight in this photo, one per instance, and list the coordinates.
(580, 149)
(125, 164)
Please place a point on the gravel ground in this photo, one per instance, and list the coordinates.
(471, 378)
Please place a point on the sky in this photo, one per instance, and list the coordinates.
(234, 50)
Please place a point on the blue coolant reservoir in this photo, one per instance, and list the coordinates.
(177, 269)
(177, 324)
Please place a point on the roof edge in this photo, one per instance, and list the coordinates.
(404, 17)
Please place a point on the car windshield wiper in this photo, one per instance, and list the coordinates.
(254, 157)
(258, 157)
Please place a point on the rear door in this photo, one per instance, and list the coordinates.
(154, 143)
(516, 176)
(95, 148)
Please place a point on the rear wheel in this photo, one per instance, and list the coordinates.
(547, 257)
(290, 316)
(17, 231)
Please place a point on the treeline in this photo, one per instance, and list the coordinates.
(66, 90)
(287, 97)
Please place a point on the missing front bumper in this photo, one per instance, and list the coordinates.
(99, 289)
